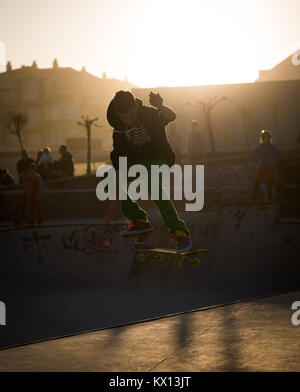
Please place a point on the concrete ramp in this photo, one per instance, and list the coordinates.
(250, 336)
(69, 277)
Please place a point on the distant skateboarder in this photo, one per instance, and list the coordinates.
(22, 165)
(34, 191)
(267, 157)
(139, 134)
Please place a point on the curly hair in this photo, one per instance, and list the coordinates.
(123, 101)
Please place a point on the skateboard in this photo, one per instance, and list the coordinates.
(145, 251)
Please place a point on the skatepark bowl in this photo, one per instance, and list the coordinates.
(67, 277)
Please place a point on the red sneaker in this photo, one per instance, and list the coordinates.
(183, 243)
(135, 228)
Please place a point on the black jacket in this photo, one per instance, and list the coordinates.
(154, 123)
(66, 164)
(22, 164)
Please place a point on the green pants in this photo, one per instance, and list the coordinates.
(134, 212)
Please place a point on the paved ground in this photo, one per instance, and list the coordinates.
(248, 336)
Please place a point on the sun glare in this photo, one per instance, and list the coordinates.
(193, 42)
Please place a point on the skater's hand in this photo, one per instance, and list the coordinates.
(155, 100)
(113, 212)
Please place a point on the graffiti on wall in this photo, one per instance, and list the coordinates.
(89, 240)
(36, 245)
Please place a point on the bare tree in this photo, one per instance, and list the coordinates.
(206, 108)
(274, 109)
(244, 112)
(87, 124)
(16, 122)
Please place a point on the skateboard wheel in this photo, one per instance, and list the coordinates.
(159, 258)
(196, 262)
(141, 258)
(179, 263)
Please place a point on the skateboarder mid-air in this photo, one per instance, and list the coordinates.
(267, 157)
(139, 135)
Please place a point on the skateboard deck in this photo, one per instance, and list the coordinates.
(159, 254)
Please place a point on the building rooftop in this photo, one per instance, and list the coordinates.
(287, 69)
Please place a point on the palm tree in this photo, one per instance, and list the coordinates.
(87, 124)
(16, 122)
(244, 111)
(206, 108)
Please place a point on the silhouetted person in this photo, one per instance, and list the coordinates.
(38, 155)
(139, 135)
(6, 178)
(34, 190)
(195, 144)
(267, 157)
(175, 141)
(65, 163)
(22, 164)
(45, 164)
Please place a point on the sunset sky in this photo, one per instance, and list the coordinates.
(153, 43)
